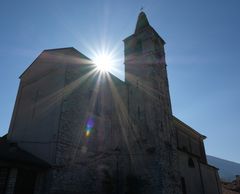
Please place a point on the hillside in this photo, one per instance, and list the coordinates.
(227, 169)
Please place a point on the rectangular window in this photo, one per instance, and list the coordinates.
(184, 190)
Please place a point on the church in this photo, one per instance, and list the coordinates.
(77, 130)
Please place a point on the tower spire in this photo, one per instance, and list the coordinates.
(142, 21)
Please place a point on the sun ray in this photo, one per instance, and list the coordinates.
(83, 133)
(63, 92)
(124, 119)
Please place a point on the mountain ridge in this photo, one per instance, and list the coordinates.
(227, 169)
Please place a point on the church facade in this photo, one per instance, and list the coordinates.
(76, 130)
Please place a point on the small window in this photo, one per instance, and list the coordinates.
(139, 112)
(139, 46)
(184, 148)
(191, 163)
(97, 108)
(90, 93)
(157, 45)
(161, 126)
(36, 103)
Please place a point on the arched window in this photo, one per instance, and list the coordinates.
(191, 163)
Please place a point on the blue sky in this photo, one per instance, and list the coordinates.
(202, 51)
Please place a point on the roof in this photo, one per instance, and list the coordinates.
(12, 154)
(67, 48)
(185, 127)
(57, 50)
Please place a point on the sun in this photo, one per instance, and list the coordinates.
(103, 61)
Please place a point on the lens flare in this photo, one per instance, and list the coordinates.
(87, 133)
(89, 127)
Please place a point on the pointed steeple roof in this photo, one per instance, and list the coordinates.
(142, 22)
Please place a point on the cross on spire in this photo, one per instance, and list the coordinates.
(141, 8)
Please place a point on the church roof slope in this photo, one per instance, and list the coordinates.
(66, 48)
(187, 128)
(11, 153)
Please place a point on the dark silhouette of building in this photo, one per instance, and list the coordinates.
(77, 130)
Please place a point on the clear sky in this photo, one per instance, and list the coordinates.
(202, 50)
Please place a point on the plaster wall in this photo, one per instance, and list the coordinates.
(191, 175)
(36, 116)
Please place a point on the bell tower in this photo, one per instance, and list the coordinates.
(149, 107)
(146, 78)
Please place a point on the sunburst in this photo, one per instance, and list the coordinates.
(104, 61)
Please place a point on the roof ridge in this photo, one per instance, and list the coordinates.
(54, 49)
